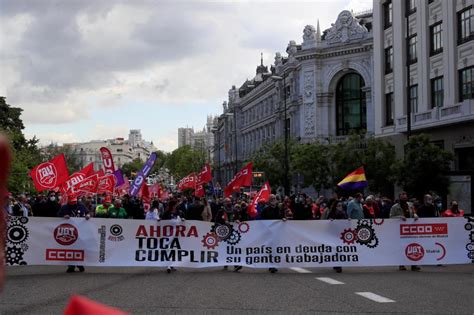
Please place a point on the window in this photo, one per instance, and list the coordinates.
(287, 91)
(351, 110)
(465, 159)
(410, 6)
(466, 83)
(389, 109)
(387, 14)
(388, 60)
(437, 92)
(436, 45)
(465, 25)
(413, 98)
(411, 49)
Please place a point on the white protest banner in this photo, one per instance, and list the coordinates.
(257, 244)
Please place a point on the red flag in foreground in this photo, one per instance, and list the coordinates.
(262, 195)
(51, 174)
(242, 179)
(206, 175)
(107, 160)
(189, 182)
(79, 305)
(145, 193)
(77, 177)
(5, 160)
(106, 184)
(155, 190)
(88, 185)
(199, 192)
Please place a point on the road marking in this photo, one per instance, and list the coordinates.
(300, 270)
(375, 297)
(329, 280)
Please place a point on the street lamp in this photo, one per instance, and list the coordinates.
(236, 169)
(286, 184)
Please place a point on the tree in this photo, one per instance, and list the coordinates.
(424, 168)
(185, 160)
(52, 150)
(132, 167)
(312, 161)
(379, 158)
(26, 154)
(270, 159)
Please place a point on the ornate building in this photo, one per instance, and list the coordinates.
(123, 151)
(323, 87)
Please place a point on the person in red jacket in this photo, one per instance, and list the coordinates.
(453, 211)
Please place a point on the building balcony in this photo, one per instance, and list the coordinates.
(439, 116)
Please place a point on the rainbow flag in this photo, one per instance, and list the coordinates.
(354, 180)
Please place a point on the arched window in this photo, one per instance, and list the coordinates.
(351, 111)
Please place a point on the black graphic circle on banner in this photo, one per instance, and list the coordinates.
(223, 231)
(233, 238)
(470, 247)
(116, 230)
(23, 220)
(468, 226)
(17, 234)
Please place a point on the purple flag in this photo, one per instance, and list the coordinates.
(119, 181)
(144, 172)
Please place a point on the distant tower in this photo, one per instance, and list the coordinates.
(135, 138)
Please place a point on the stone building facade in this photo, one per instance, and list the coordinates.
(437, 49)
(123, 150)
(324, 85)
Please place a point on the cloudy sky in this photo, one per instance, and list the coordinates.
(93, 69)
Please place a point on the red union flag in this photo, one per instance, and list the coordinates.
(262, 195)
(155, 190)
(106, 184)
(51, 174)
(77, 177)
(189, 182)
(242, 179)
(199, 192)
(107, 160)
(144, 193)
(205, 176)
(87, 185)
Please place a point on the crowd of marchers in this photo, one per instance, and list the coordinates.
(222, 210)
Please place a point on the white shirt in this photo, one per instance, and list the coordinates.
(152, 215)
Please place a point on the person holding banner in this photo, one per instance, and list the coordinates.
(403, 210)
(116, 211)
(102, 211)
(272, 212)
(74, 209)
(335, 211)
(454, 210)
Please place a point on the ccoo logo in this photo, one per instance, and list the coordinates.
(414, 251)
(66, 234)
(47, 175)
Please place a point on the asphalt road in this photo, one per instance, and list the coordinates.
(441, 290)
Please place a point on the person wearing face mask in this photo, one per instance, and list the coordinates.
(52, 206)
(453, 210)
(403, 210)
(427, 209)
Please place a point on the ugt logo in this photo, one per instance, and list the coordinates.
(414, 251)
(47, 175)
(66, 234)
